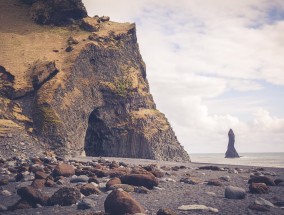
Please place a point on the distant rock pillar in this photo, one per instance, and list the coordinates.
(231, 151)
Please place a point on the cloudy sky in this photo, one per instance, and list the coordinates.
(212, 66)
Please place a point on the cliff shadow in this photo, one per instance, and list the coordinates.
(96, 135)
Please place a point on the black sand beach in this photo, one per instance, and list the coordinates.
(171, 192)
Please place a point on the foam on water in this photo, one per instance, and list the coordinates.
(247, 159)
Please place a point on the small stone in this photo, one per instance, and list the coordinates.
(72, 41)
(141, 190)
(166, 211)
(104, 18)
(259, 188)
(197, 207)
(6, 193)
(225, 178)
(214, 182)
(213, 168)
(4, 182)
(86, 203)
(234, 193)
(261, 208)
(125, 187)
(3, 208)
(113, 181)
(278, 181)
(40, 175)
(89, 189)
(81, 178)
(191, 180)
(261, 201)
(93, 179)
(211, 193)
(69, 49)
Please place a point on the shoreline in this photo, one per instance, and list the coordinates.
(171, 192)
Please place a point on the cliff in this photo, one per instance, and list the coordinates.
(70, 83)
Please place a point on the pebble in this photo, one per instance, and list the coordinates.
(264, 202)
(197, 207)
(6, 193)
(3, 207)
(81, 178)
(211, 193)
(225, 178)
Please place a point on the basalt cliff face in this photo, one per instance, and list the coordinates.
(78, 85)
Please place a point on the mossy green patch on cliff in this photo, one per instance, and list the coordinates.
(45, 117)
(121, 86)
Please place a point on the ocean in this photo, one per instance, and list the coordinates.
(246, 159)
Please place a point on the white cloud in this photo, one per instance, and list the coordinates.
(197, 51)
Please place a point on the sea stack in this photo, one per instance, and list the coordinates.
(231, 151)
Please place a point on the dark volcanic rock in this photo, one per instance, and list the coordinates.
(166, 211)
(65, 196)
(231, 151)
(147, 181)
(235, 193)
(262, 179)
(259, 188)
(95, 99)
(89, 189)
(32, 195)
(58, 12)
(120, 203)
(63, 169)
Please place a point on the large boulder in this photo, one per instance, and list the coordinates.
(32, 195)
(58, 12)
(147, 181)
(121, 203)
(63, 169)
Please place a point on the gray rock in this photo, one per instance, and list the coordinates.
(197, 207)
(81, 178)
(225, 178)
(3, 207)
(86, 203)
(6, 193)
(235, 193)
(264, 202)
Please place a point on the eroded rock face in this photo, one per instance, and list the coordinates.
(58, 12)
(94, 99)
(231, 151)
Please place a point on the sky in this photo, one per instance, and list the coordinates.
(212, 66)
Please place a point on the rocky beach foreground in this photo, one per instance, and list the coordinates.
(90, 185)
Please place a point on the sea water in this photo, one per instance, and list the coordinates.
(247, 159)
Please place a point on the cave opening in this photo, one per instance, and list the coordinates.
(96, 135)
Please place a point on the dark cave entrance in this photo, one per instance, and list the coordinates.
(96, 135)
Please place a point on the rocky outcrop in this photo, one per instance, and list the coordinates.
(93, 99)
(231, 151)
(58, 12)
